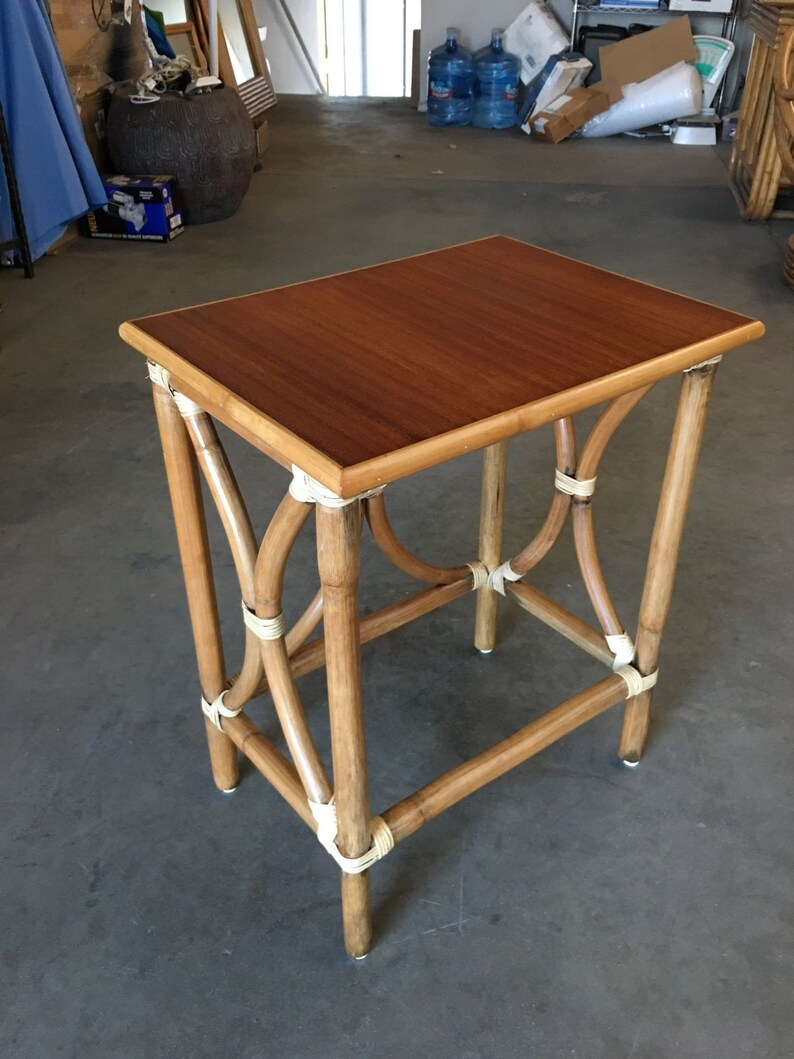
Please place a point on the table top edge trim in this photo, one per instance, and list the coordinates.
(275, 440)
(411, 459)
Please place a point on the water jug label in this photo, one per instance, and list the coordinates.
(496, 89)
(449, 88)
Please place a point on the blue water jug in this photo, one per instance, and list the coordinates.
(450, 83)
(495, 85)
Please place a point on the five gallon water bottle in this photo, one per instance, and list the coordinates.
(450, 83)
(495, 85)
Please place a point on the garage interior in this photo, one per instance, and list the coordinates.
(574, 907)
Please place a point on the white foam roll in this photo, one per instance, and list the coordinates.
(674, 93)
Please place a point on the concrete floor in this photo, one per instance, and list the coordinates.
(573, 908)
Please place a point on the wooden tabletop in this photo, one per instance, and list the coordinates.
(366, 376)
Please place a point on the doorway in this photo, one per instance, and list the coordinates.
(368, 46)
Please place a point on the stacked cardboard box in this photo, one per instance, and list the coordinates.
(623, 63)
(569, 112)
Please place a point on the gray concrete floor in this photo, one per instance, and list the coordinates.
(574, 908)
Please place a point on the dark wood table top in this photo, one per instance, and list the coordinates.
(367, 376)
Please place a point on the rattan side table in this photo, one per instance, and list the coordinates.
(356, 380)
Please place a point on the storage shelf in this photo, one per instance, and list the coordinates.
(623, 9)
(580, 10)
(584, 10)
(620, 9)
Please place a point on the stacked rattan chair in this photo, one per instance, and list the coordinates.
(757, 173)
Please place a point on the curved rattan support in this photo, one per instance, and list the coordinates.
(397, 553)
(306, 624)
(582, 511)
(784, 102)
(546, 537)
(236, 523)
(269, 583)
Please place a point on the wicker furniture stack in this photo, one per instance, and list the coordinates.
(757, 175)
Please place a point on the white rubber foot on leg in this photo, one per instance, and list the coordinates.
(483, 651)
(630, 764)
(366, 954)
(228, 790)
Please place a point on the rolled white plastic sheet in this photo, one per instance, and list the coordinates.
(674, 93)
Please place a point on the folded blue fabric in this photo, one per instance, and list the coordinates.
(57, 178)
(157, 36)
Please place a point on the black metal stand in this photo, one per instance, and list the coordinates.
(21, 241)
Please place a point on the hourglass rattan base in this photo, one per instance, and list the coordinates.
(356, 380)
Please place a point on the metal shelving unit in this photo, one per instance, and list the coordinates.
(728, 30)
(728, 20)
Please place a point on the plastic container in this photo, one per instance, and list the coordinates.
(495, 85)
(450, 83)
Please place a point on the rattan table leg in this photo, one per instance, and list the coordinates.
(492, 504)
(665, 545)
(191, 530)
(338, 531)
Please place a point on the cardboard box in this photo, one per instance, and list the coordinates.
(140, 208)
(637, 58)
(561, 73)
(716, 7)
(416, 68)
(568, 113)
(93, 108)
(94, 60)
(624, 63)
(533, 37)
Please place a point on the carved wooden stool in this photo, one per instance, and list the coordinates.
(356, 380)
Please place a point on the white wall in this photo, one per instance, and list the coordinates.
(171, 10)
(384, 53)
(288, 67)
